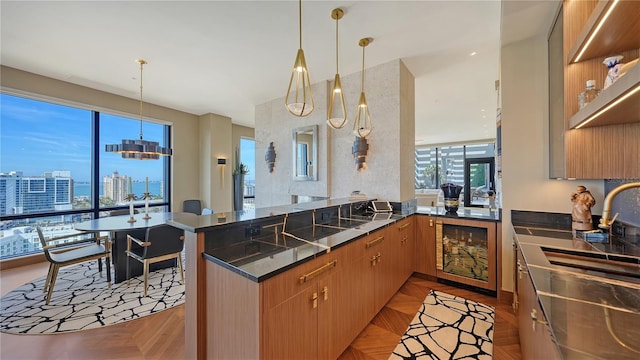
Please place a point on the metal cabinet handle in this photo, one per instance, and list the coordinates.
(430, 222)
(314, 300)
(520, 270)
(534, 319)
(374, 242)
(326, 267)
(404, 226)
(375, 259)
(325, 293)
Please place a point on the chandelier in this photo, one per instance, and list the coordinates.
(139, 149)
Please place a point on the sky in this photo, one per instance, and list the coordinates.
(29, 143)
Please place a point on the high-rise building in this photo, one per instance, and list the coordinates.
(21, 194)
(115, 187)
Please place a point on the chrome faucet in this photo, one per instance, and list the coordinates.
(606, 221)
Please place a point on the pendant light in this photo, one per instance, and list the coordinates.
(362, 123)
(337, 114)
(299, 99)
(139, 149)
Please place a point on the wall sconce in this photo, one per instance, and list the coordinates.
(221, 164)
(359, 151)
(270, 157)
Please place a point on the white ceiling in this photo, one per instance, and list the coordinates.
(225, 57)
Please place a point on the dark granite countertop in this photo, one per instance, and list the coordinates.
(265, 259)
(473, 213)
(208, 222)
(589, 292)
(266, 255)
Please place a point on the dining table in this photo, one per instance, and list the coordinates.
(122, 225)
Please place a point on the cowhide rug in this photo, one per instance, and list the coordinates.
(81, 300)
(448, 327)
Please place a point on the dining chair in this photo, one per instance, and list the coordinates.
(73, 249)
(193, 206)
(161, 242)
(118, 212)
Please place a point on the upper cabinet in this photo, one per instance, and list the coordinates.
(596, 30)
(601, 140)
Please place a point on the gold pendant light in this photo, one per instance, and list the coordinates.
(299, 99)
(337, 114)
(139, 149)
(362, 123)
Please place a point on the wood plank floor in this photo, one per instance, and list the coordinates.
(161, 336)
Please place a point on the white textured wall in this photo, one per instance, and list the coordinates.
(525, 182)
(389, 173)
(275, 124)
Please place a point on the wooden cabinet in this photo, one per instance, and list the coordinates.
(377, 266)
(301, 308)
(402, 247)
(536, 341)
(425, 245)
(312, 311)
(606, 146)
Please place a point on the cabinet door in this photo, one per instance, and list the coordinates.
(535, 336)
(382, 267)
(290, 328)
(334, 315)
(359, 285)
(291, 303)
(402, 240)
(426, 245)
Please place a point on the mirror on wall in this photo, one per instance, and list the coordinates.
(305, 154)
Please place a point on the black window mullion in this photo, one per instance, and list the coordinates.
(95, 161)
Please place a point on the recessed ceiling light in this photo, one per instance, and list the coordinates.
(482, 110)
(473, 53)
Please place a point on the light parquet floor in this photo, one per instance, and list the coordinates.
(161, 336)
(380, 337)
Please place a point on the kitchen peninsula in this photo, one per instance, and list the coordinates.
(296, 281)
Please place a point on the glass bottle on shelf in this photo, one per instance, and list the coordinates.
(588, 95)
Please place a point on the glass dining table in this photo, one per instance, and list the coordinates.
(119, 227)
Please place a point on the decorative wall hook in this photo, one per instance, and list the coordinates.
(359, 151)
(270, 157)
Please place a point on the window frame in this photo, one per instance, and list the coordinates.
(95, 210)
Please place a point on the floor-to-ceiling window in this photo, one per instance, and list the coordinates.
(54, 170)
(248, 157)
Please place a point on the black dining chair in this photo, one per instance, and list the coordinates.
(162, 242)
(192, 206)
(73, 249)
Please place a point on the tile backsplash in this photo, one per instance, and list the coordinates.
(627, 203)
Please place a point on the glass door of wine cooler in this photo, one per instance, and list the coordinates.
(466, 252)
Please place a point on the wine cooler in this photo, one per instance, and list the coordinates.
(466, 252)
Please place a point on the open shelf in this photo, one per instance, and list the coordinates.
(627, 111)
(622, 29)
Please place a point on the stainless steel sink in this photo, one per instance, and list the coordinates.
(620, 267)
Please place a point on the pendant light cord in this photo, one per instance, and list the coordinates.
(362, 84)
(337, 18)
(141, 64)
(300, 20)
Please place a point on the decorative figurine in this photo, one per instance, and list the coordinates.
(613, 64)
(581, 213)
